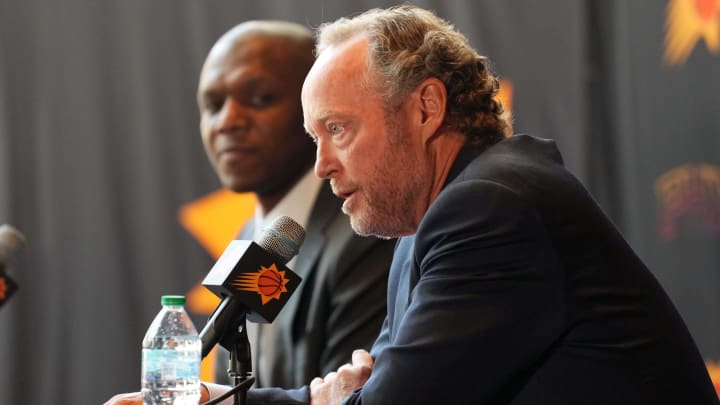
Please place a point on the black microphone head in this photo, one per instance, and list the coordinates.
(283, 237)
(11, 242)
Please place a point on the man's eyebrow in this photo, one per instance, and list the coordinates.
(206, 93)
(322, 118)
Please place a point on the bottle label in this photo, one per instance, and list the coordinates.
(164, 364)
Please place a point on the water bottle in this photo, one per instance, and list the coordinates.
(171, 357)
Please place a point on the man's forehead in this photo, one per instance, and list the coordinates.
(339, 67)
(352, 53)
(258, 50)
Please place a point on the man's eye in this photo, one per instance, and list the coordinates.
(213, 104)
(336, 128)
(262, 100)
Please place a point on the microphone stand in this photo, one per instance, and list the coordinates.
(240, 363)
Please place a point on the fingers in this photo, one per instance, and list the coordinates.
(320, 392)
(345, 368)
(362, 358)
(316, 381)
(134, 398)
(337, 385)
(330, 377)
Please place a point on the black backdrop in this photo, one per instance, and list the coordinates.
(664, 117)
(99, 147)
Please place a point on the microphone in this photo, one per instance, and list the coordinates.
(252, 281)
(11, 242)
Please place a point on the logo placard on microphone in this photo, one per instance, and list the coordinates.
(249, 274)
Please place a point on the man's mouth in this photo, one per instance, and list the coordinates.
(234, 153)
(343, 193)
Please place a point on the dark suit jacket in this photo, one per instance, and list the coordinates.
(517, 289)
(339, 305)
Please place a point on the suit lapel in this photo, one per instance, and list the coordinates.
(403, 278)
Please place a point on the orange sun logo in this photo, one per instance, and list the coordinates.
(268, 282)
(687, 22)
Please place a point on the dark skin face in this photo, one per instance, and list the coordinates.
(251, 116)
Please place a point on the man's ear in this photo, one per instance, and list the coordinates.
(432, 100)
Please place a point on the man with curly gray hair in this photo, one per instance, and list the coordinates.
(508, 284)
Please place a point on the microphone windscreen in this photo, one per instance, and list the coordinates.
(11, 242)
(283, 238)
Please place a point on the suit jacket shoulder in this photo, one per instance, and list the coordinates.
(518, 289)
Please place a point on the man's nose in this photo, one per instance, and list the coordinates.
(326, 163)
(232, 116)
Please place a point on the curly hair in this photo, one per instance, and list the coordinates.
(407, 45)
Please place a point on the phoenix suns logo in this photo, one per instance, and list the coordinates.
(268, 282)
(689, 200)
(687, 22)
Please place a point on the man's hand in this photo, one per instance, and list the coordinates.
(336, 386)
(135, 398)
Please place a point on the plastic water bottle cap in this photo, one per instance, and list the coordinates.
(172, 300)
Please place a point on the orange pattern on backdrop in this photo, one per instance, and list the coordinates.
(689, 200)
(682, 191)
(714, 371)
(3, 288)
(687, 22)
(505, 96)
(214, 220)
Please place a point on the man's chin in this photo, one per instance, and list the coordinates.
(363, 228)
(239, 185)
(356, 222)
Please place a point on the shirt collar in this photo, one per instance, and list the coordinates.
(296, 204)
